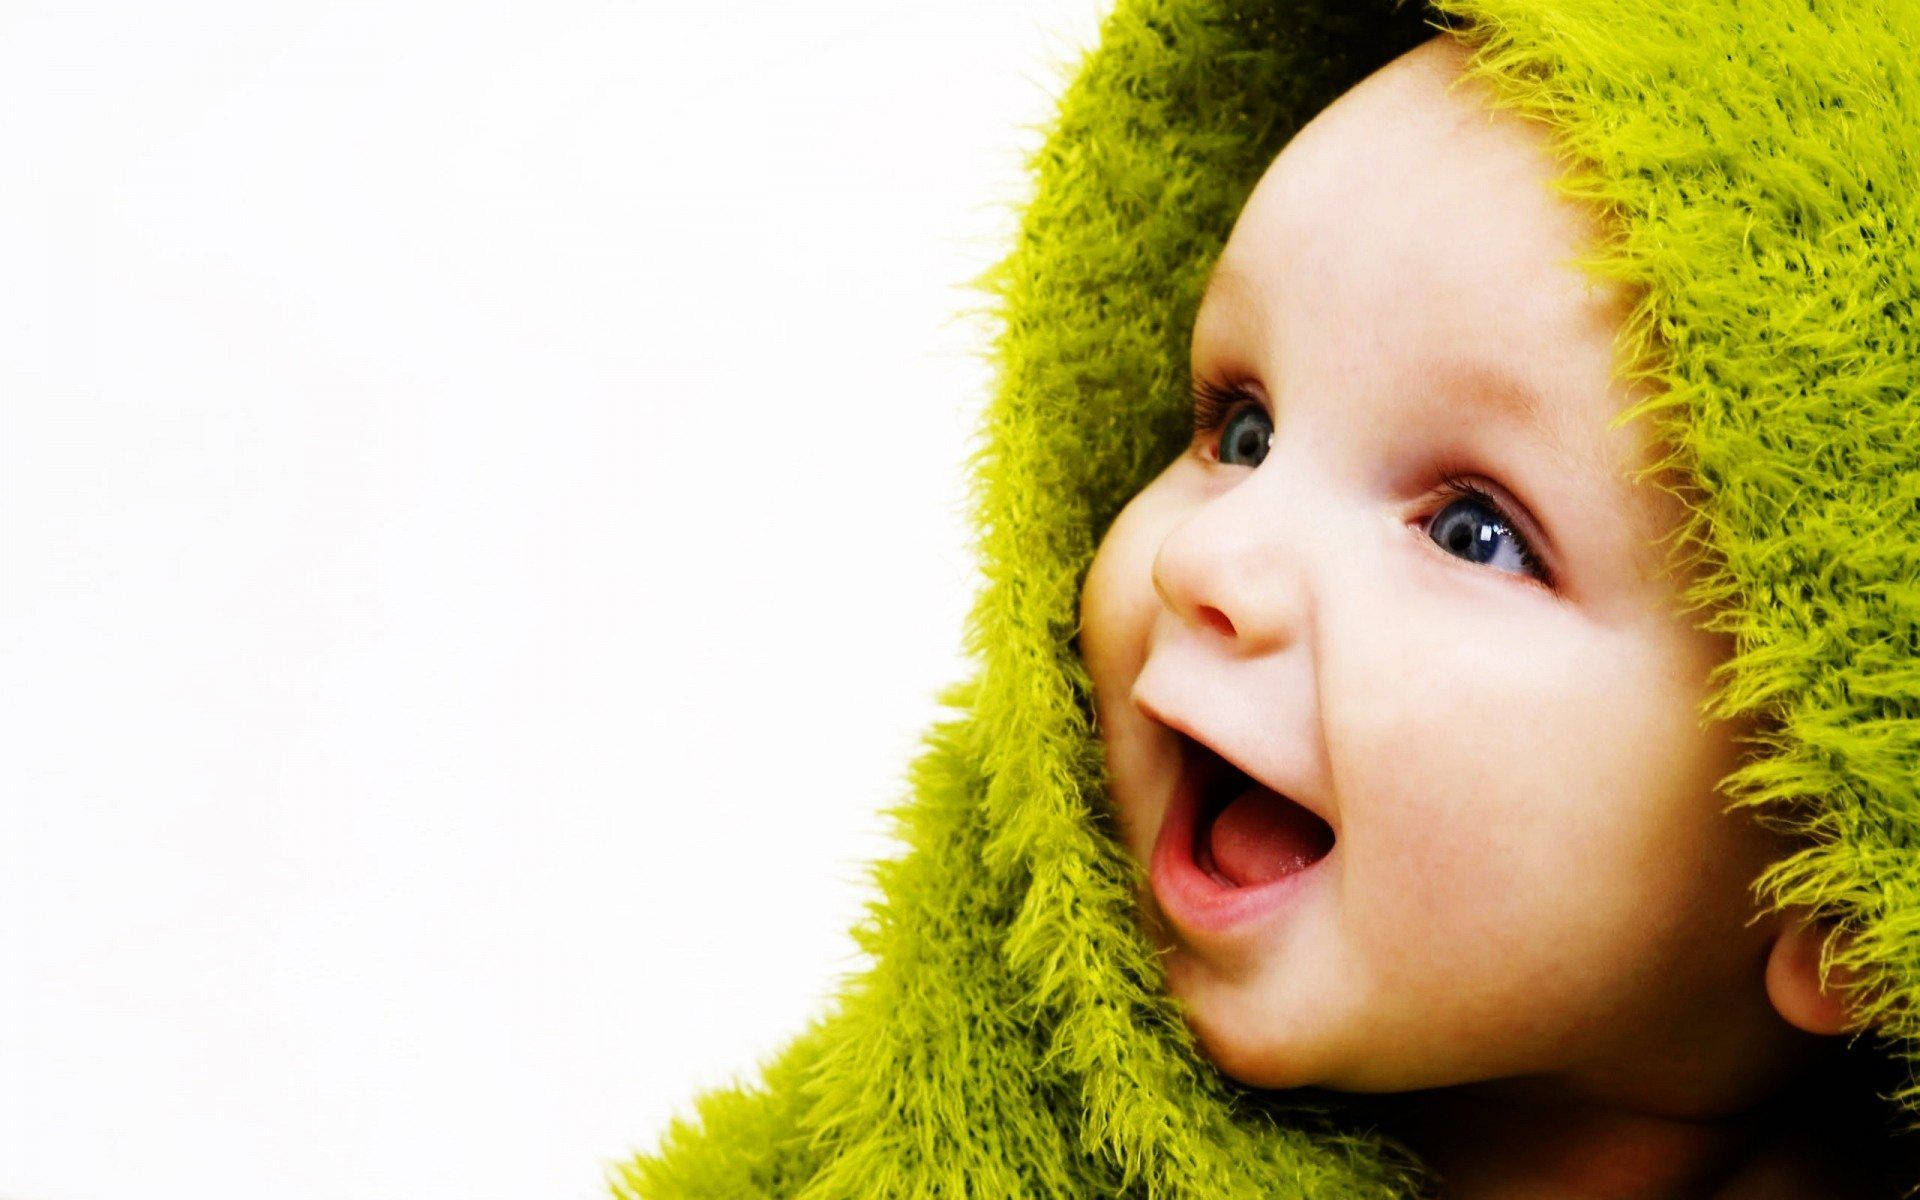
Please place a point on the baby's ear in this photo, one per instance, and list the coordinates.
(1793, 977)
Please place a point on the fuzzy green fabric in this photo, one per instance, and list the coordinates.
(1758, 161)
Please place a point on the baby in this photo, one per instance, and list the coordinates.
(1399, 709)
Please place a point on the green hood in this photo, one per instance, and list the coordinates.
(1013, 1037)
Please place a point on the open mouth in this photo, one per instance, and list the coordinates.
(1245, 834)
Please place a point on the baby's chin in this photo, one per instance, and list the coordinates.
(1246, 1039)
(1272, 1039)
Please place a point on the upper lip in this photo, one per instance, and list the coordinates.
(1185, 729)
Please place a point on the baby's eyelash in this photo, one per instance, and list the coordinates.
(1214, 402)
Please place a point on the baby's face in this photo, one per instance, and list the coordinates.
(1529, 873)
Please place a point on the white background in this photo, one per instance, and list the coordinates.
(482, 525)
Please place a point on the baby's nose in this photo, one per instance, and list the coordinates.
(1228, 576)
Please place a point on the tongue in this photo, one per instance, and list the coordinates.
(1261, 835)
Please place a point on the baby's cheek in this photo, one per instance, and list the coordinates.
(1118, 601)
(1482, 963)
(1498, 870)
(1436, 900)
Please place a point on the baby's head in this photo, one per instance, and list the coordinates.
(1402, 575)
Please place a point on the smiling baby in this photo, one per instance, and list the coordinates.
(1400, 710)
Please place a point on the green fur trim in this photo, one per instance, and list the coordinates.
(1755, 159)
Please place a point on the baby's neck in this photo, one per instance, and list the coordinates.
(1508, 1141)
(1514, 1138)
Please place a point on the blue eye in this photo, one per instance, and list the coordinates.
(1244, 440)
(1456, 528)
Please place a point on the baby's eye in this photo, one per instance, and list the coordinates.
(1462, 528)
(1245, 432)
(1246, 436)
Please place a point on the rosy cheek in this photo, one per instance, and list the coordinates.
(1424, 869)
(1117, 611)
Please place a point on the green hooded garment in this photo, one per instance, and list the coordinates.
(1757, 163)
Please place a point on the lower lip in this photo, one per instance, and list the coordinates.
(1194, 900)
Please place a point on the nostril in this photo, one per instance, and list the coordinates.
(1216, 619)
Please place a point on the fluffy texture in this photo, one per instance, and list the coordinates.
(1756, 160)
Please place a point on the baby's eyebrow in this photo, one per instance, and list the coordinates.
(1494, 391)
(1498, 392)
